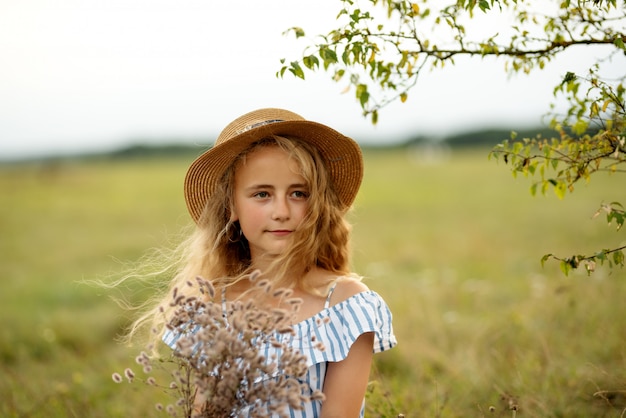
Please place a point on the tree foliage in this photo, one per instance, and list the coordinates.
(380, 48)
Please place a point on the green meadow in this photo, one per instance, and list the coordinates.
(452, 241)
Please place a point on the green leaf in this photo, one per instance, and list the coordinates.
(338, 75)
(311, 62)
(299, 32)
(345, 57)
(580, 127)
(555, 163)
(569, 77)
(560, 189)
(296, 70)
(616, 216)
(362, 94)
(328, 56)
(544, 259)
(374, 117)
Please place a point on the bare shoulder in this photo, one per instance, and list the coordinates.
(347, 287)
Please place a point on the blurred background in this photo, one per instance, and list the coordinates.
(450, 239)
(87, 76)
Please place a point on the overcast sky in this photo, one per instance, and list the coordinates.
(89, 75)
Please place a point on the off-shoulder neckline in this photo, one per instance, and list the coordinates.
(336, 306)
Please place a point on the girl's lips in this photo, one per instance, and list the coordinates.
(280, 232)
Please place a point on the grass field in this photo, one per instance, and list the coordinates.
(453, 244)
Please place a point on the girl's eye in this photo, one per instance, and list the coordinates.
(261, 195)
(300, 194)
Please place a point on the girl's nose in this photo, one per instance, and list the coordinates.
(280, 209)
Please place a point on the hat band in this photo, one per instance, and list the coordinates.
(256, 125)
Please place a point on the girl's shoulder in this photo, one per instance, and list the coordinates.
(352, 309)
(345, 287)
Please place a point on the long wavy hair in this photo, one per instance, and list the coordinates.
(217, 251)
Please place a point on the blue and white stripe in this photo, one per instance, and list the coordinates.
(336, 327)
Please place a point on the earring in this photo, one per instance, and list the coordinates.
(236, 234)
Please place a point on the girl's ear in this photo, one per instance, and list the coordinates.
(233, 215)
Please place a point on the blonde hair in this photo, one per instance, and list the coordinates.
(217, 252)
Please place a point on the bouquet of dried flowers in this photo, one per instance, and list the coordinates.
(232, 359)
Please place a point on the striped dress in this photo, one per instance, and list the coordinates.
(337, 327)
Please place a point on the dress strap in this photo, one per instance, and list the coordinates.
(224, 301)
(330, 293)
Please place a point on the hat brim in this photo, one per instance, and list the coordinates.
(341, 154)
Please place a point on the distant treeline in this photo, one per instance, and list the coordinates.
(479, 138)
(142, 150)
(484, 137)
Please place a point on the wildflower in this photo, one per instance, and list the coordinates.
(254, 275)
(117, 378)
(129, 374)
(317, 395)
(237, 356)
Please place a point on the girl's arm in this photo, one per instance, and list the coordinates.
(346, 380)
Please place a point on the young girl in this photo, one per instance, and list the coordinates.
(271, 195)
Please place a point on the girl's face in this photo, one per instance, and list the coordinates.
(270, 200)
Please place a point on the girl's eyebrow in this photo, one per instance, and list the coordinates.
(259, 186)
(270, 186)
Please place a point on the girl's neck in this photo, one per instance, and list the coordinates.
(312, 301)
(316, 279)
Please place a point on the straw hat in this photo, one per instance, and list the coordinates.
(341, 154)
